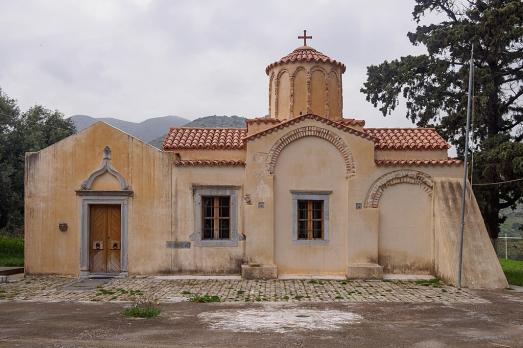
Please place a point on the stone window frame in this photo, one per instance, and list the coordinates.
(96, 198)
(88, 197)
(310, 195)
(233, 193)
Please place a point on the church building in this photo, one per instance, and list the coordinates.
(302, 191)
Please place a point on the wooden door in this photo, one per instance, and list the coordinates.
(104, 238)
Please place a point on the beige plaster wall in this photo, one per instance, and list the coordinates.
(256, 127)
(363, 226)
(258, 182)
(300, 92)
(301, 88)
(54, 173)
(298, 169)
(334, 95)
(406, 239)
(204, 259)
(319, 101)
(162, 208)
(283, 94)
(210, 154)
(481, 268)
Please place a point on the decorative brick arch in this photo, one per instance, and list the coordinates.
(311, 131)
(402, 176)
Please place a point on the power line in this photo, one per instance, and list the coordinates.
(498, 183)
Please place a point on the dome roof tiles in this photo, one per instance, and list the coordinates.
(305, 54)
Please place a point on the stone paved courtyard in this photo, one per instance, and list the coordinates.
(62, 289)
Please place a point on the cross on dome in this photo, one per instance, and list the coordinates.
(304, 37)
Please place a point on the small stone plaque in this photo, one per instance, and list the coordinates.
(359, 205)
(261, 204)
(174, 244)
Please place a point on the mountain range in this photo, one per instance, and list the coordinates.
(154, 130)
(147, 130)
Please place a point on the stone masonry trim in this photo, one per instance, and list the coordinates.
(404, 176)
(311, 131)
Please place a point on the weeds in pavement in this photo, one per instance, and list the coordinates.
(205, 298)
(143, 308)
(435, 282)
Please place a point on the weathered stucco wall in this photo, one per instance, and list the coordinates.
(204, 259)
(297, 169)
(306, 87)
(481, 268)
(400, 217)
(55, 173)
(318, 155)
(211, 154)
(403, 218)
(406, 236)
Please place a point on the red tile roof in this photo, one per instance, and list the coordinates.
(235, 138)
(352, 122)
(209, 163)
(407, 139)
(419, 163)
(205, 138)
(295, 120)
(305, 54)
(263, 120)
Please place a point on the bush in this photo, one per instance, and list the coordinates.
(11, 250)
(513, 271)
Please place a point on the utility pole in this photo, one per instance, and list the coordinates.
(465, 163)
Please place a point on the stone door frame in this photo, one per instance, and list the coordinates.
(95, 198)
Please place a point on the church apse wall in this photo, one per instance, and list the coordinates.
(295, 176)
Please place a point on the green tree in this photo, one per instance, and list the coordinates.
(434, 88)
(9, 112)
(22, 132)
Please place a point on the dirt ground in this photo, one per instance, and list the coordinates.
(498, 323)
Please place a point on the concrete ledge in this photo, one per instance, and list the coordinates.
(408, 277)
(5, 271)
(365, 271)
(311, 276)
(198, 277)
(259, 272)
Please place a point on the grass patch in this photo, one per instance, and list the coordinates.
(142, 310)
(316, 281)
(205, 298)
(11, 250)
(513, 270)
(102, 291)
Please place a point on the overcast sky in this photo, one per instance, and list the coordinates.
(144, 58)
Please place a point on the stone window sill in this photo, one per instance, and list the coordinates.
(216, 243)
(311, 241)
